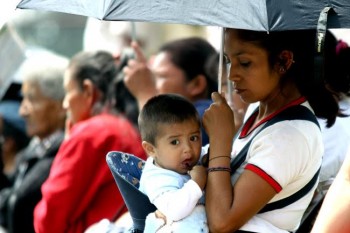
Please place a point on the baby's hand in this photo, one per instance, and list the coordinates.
(160, 215)
(199, 175)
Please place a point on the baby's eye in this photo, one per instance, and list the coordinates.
(194, 138)
(175, 142)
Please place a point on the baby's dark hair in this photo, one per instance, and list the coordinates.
(164, 109)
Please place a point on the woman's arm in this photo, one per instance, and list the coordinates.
(138, 77)
(237, 204)
(228, 207)
(335, 210)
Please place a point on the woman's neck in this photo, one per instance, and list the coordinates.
(277, 101)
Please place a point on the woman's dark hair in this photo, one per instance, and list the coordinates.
(126, 103)
(191, 55)
(302, 72)
(100, 68)
(338, 79)
(164, 109)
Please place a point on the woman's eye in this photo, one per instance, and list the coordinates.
(194, 138)
(175, 142)
(245, 63)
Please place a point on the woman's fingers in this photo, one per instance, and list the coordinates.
(218, 98)
(218, 114)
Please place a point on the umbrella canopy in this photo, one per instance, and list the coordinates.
(259, 15)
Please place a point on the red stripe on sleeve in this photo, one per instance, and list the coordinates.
(275, 185)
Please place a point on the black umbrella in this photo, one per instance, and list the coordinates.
(259, 15)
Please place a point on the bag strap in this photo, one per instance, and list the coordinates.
(293, 198)
(297, 112)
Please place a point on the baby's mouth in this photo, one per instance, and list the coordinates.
(187, 164)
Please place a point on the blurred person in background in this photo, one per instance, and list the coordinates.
(81, 190)
(335, 210)
(41, 107)
(179, 67)
(336, 138)
(115, 37)
(13, 139)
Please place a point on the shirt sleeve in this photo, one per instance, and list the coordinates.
(178, 204)
(280, 154)
(173, 194)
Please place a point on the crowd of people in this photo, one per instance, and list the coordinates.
(264, 168)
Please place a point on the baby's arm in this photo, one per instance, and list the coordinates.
(199, 175)
(178, 204)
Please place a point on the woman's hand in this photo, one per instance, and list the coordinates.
(138, 77)
(218, 122)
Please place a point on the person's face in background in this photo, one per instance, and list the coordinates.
(168, 77)
(42, 114)
(77, 101)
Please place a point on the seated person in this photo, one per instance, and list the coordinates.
(80, 189)
(13, 140)
(42, 110)
(335, 210)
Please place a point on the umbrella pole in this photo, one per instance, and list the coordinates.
(229, 92)
(133, 31)
(221, 55)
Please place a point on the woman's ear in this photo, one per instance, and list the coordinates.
(149, 148)
(90, 91)
(285, 60)
(197, 86)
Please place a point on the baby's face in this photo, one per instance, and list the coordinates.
(178, 146)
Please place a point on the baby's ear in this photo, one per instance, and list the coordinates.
(149, 148)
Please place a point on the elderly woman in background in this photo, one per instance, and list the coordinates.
(41, 107)
(80, 189)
